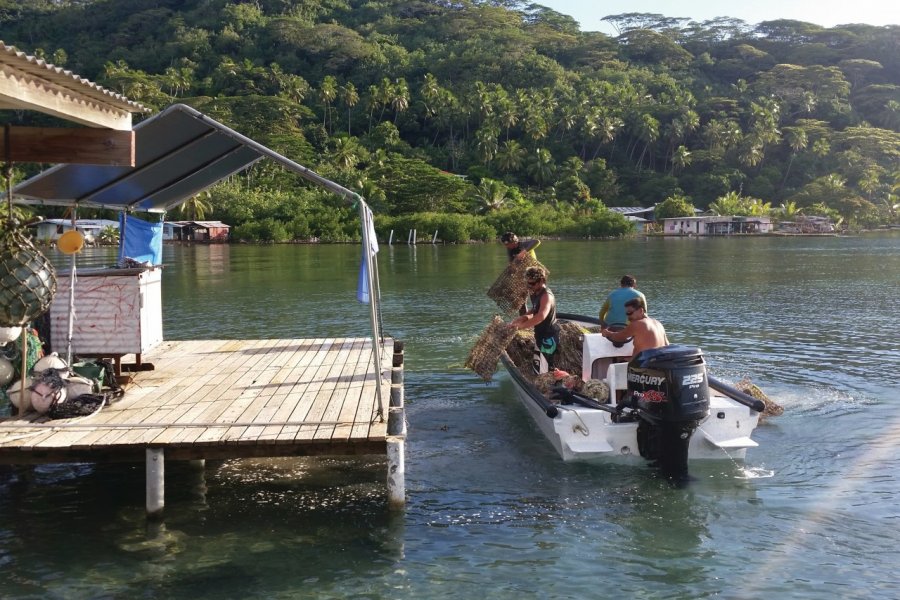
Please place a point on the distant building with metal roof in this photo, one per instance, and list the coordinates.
(49, 230)
(634, 211)
(196, 231)
(716, 225)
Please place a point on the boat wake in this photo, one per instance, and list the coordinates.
(746, 472)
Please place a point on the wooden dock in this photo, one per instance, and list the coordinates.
(222, 399)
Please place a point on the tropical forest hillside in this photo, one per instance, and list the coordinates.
(473, 117)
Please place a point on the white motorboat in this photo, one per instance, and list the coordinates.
(662, 406)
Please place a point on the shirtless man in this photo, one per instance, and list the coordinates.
(647, 332)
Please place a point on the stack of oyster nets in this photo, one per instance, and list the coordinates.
(520, 347)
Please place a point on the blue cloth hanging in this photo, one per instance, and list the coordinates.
(140, 240)
(362, 282)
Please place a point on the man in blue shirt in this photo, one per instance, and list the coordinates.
(612, 313)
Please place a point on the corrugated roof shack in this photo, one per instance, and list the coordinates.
(200, 231)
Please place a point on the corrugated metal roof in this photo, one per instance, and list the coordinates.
(178, 153)
(206, 223)
(41, 69)
(629, 210)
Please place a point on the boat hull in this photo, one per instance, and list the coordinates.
(583, 433)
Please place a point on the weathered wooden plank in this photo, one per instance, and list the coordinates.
(289, 394)
(252, 375)
(88, 146)
(303, 395)
(323, 396)
(341, 396)
(356, 414)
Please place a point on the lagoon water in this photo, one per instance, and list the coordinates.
(492, 512)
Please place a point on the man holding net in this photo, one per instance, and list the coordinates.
(541, 316)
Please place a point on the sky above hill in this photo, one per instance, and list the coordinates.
(827, 13)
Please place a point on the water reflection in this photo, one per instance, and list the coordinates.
(492, 511)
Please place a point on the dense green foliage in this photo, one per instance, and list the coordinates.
(474, 117)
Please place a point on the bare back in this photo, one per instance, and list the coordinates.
(648, 333)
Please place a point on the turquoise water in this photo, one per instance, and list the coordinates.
(492, 512)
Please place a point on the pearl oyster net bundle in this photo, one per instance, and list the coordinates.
(27, 279)
(486, 351)
(509, 291)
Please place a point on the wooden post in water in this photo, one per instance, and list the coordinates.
(156, 481)
(396, 438)
(434, 238)
(391, 238)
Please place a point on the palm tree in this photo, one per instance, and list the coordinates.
(789, 210)
(196, 207)
(729, 204)
(373, 102)
(491, 194)
(511, 156)
(608, 129)
(798, 140)
(327, 94)
(293, 87)
(541, 166)
(486, 141)
(399, 98)
(429, 92)
(109, 235)
(571, 167)
(755, 207)
(350, 98)
(647, 131)
(681, 158)
(507, 114)
(347, 152)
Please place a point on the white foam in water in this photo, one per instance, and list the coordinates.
(755, 473)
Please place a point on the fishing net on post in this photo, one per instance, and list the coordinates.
(510, 291)
(488, 347)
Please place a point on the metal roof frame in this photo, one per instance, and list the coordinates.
(178, 153)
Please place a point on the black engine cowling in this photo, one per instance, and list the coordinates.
(668, 387)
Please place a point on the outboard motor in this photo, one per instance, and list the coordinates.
(668, 387)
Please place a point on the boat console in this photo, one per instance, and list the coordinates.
(598, 353)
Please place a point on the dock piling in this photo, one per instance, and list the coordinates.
(156, 485)
(396, 429)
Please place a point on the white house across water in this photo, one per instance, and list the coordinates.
(716, 225)
(49, 230)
